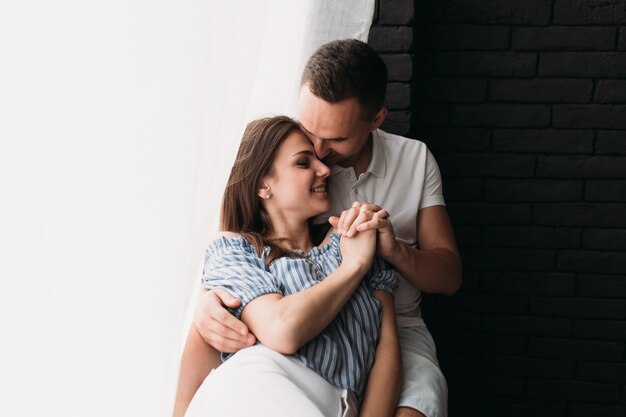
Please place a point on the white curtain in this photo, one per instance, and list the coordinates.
(119, 120)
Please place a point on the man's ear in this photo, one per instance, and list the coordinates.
(379, 118)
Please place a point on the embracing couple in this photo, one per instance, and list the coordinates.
(324, 321)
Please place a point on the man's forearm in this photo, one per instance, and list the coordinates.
(197, 362)
(383, 386)
(435, 270)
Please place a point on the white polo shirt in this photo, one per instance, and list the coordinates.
(403, 177)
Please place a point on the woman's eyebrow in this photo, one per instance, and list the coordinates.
(304, 152)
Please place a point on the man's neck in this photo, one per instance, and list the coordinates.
(361, 161)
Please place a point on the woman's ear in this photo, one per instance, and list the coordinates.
(264, 191)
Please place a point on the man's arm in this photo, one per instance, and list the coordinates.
(216, 325)
(434, 267)
(383, 384)
(197, 361)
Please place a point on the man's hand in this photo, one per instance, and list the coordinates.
(356, 219)
(217, 326)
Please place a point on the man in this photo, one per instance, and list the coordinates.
(341, 107)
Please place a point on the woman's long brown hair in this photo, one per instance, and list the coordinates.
(242, 211)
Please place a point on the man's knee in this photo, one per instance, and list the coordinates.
(407, 412)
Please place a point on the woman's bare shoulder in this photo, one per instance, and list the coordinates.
(327, 237)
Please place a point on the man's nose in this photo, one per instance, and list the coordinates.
(321, 149)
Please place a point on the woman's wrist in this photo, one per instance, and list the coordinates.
(356, 267)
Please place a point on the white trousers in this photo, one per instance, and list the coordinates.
(259, 382)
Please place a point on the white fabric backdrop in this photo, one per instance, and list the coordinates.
(118, 124)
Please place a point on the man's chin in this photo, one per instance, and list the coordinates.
(333, 160)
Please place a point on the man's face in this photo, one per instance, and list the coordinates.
(336, 130)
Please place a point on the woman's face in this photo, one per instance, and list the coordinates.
(297, 186)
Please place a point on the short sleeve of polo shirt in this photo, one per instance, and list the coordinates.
(382, 276)
(234, 265)
(432, 193)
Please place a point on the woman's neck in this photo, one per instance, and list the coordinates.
(295, 235)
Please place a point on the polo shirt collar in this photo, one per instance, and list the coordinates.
(377, 166)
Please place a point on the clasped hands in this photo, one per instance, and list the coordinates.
(362, 217)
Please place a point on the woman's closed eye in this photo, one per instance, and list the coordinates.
(304, 163)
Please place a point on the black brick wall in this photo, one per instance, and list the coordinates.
(523, 102)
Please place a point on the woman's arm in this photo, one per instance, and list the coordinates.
(383, 384)
(197, 361)
(286, 323)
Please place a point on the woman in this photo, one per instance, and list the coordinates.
(324, 316)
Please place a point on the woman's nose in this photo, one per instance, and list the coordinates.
(323, 170)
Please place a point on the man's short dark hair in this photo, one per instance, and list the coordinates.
(347, 68)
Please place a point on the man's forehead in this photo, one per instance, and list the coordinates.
(311, 105)
(327, 123)
(325, 132)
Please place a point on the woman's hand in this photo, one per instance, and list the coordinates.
(358, 250)
(363, 217)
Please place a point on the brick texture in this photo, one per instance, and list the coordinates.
(612, 239)
(472, 37)
(573, 391)
(541, 91)
(519, 407)
(543, 141)
(529, 12)
(542, 283)
(564, 38)
(580, 410)
(600, 329)
(604, 12)
(590, 116)
(582, 64)
(523, 104)
(532, 236)
(611, 142)
(611, 91)
(606, 191)
(498, 64)
(396, 12)
(621, 43)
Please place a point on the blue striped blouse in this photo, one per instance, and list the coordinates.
(344, 352)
